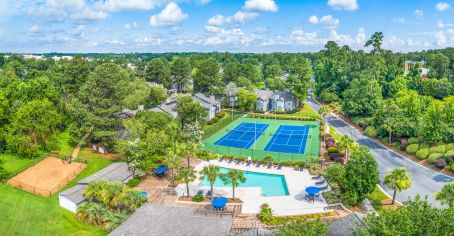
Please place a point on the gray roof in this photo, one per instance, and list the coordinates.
(264, 94)
(75, 194)
(172, 220)
(204, 99)
(284, 95)
(345, 226)
(114, 172)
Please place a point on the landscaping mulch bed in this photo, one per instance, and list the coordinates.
(189, 199)
(403, 153)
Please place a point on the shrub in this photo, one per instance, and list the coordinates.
(198, 198)
(363, 124)
(333, 196)
(370, 131)
(264, 206)
(413, 140)
(133, 182)
(403, 144)
(331, 150)
(440, 163)
(339, 160)
(331, 145)
(327, 136)
(331, 140)
(412, 148)
(422, 154)
(220, 114)
(449, 154)
(437, 149)
(451, 167)
(333, 155)
(449, 146)
(327, 96)
(424, 145)
(434, 157)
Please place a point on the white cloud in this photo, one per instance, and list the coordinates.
(217, 20)
(400, 20)
(440, 36)
(419, 12)
(313, 19)
(171, 15)
(231, 36)
(260, 30)
(299, 36)
(442, 6)
(261, 5)
(88, 14)
(239, 17)
(328, 21)
(202, 2)
(133, 25)
(349, 5)
(441, 24)
(120, 5)
(115, 42)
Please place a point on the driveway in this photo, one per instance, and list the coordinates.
(425, 181)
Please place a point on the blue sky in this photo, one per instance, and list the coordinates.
(36, 26)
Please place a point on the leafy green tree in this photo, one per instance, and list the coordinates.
(211, 172)
(299, 79)
(418, 217)
(207, 77)
(304, 227)
(246, 99)
(231, 72)
(346, 143)
(75, 73)
(362, 97)
(398, 179)
(192, 133)
(97, 102)
(446, 195)
(234, 178)
(173, 161)
(158, 71)
(181, 73)
(438, 65)
(335, 174)
(189, 110)
(361, 174)
(432, 125)
(376, 40)
(323, 111)
(32, 127)
(437, 88)
(186, 175)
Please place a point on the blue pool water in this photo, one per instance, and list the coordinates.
(272, 185)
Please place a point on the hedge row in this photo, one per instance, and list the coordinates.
(260, 116)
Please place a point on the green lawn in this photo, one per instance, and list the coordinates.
(23, 213)
(334, 133)
(312, 145)
(223, 122)
(307, 111)
(376, 197)
(66, 144)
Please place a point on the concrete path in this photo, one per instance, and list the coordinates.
(425, 181)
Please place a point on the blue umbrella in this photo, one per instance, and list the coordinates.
(160, 170)
(219, 202)
(312, 190)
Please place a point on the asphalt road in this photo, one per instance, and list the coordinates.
(425, 182)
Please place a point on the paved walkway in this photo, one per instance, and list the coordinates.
(425, 181)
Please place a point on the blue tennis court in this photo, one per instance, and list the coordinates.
(289, 139)
(243, 136)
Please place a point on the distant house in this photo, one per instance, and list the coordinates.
(212, 107)
(72, 198)
(268, 100)
(231, 93)
(420, 64)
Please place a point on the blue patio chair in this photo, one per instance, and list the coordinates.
(259, 163)
(270, 165)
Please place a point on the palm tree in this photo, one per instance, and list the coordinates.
(398, 179)
(446, 195)
(211, 172)
(233, 177)
(323, 111)
(186, 175)
(94, 189)
(346, 143)
(172, 161)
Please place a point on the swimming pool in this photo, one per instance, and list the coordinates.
(271, 185)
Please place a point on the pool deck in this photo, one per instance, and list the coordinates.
(293, 204)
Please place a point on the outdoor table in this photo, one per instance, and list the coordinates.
(160, 171)
(219, 203)
(312, 190)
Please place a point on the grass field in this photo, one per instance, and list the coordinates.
(23, 213)
(376, 198)
(307, 111)
(312, 146)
